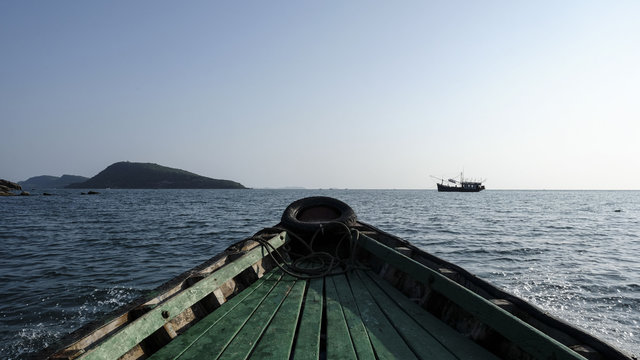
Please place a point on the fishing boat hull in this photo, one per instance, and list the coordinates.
(373, 296)
(447, 188)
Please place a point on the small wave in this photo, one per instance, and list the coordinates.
(560, 227)
(31, 339)
(449, 231)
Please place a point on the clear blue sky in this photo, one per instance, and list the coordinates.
(346, 94)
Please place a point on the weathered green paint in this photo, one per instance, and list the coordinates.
(244, 341)
(132, 334)
(212, 343)
(277, 340)
(461, 346)
(364, 315)
(308, 340)
(524, 335)
(386, 341)
(357, 330)
(339, 345)
(258, 291)
(419, 340)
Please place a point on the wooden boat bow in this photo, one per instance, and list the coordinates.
(322, 284)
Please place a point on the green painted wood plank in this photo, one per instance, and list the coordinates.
(308, 340)
(524, 335)
(461, 346)
(180, 344)
(277, 340)
(419, 340)
(244, 342)
(357, 330)
(386, 341)
(214, 341)
(132, 334)
(339, 345)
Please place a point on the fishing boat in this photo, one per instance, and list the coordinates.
(462, 185)
(322, 285)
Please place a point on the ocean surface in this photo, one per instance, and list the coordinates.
(69, 259)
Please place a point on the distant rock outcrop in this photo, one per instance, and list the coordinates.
(52, 182)
(6, 187)
(131, 175)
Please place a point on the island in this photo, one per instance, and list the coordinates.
(51, 182)
(133, 175)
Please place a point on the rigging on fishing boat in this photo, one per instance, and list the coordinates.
(462, 185)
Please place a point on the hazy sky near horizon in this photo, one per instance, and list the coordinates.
(319, 94)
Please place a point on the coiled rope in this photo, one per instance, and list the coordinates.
(327, 263)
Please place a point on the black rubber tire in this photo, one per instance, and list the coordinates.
(291, 218)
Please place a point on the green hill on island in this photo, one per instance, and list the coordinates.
(51, 182)
(131, 175)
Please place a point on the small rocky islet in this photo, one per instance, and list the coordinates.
(8, 188)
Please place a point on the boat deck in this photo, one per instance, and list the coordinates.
(360, 314)
(357, 315)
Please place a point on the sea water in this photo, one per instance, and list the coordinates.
(68, 259)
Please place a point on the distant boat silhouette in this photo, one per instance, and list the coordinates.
(461, 185)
